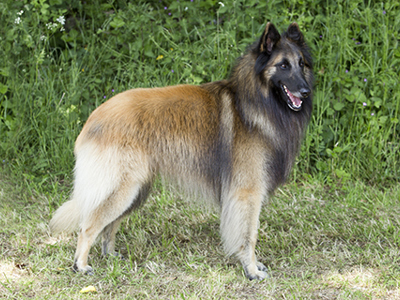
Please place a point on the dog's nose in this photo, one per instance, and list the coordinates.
(305, 92)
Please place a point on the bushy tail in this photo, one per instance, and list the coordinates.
(66, 218)
(97, 175)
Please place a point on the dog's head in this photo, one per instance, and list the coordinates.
(284, 63)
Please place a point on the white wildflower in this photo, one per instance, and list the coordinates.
(51, 26)
(20, 13)
(220, 3)
(17, 20)
(61, 20)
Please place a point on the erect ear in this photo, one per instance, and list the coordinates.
(295, 34)
(269, 38)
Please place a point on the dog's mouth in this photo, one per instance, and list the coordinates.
(292, 101)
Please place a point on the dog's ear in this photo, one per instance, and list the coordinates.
(294, 34)
(269, 39)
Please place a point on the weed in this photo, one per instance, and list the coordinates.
(69, 58)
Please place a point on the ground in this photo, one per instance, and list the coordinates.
(319, 242)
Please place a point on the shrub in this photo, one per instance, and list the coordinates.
(61, 59)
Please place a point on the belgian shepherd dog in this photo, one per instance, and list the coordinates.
(233, 141)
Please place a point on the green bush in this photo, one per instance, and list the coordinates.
(61, 59)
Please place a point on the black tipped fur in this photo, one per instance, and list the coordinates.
(249, 84)
(234, 140)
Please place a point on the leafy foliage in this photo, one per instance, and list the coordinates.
(61, 59)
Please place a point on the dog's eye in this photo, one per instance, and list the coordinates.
(301, 63)
(283, 64)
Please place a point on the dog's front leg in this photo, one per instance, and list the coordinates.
(239, 225)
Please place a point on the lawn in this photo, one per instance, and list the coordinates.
(319, 242)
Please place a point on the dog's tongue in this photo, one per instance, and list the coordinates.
(295, 100)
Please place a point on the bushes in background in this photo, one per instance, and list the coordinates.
(61, 59)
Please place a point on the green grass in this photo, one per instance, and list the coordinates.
(341, 243)
(319, 242)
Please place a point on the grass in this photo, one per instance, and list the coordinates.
(319, 242)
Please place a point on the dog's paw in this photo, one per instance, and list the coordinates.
(87, 270)
(261, 267)
(259, 273)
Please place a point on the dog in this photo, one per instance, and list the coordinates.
(233, 141)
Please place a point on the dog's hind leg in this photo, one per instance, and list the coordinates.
(107, 215)
(108, 237)
(239, 225)
(108, 234)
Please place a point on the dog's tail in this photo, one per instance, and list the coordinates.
(97, 175)
(66, 218)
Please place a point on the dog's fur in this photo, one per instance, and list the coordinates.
(233, 140)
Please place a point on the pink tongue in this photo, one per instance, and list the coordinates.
(296, 101)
